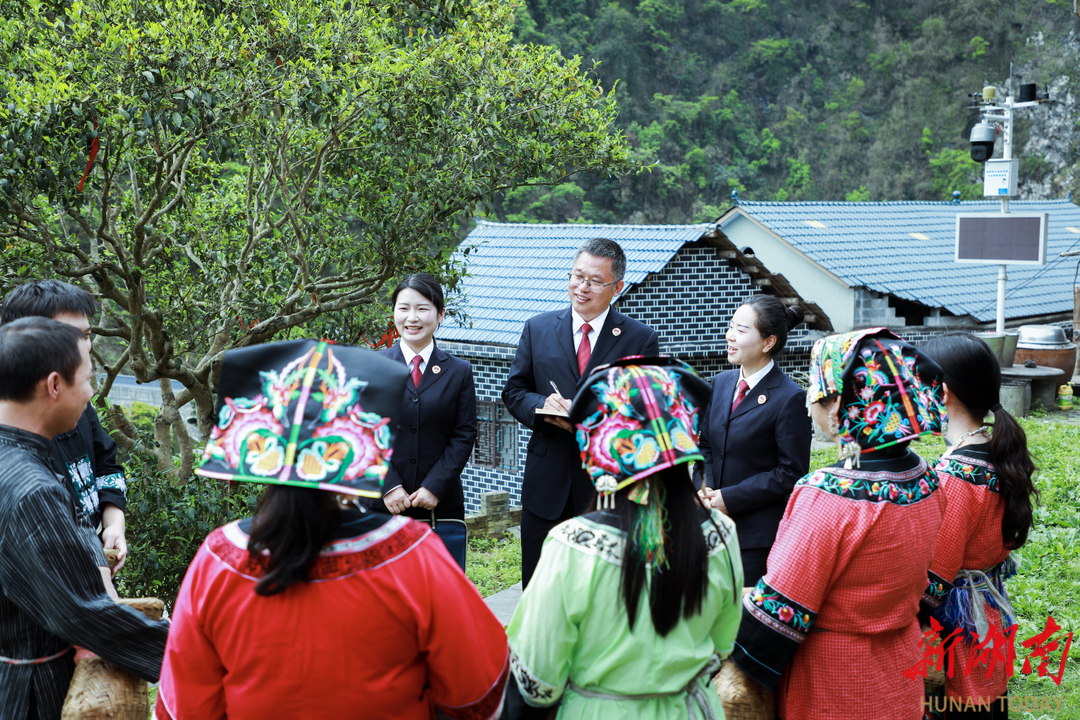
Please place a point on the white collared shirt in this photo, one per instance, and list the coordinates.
(753, 379)
(424, 354)
(597, 323)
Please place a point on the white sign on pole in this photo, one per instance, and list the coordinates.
(999, 178)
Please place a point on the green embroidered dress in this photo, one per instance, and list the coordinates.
(571, 628)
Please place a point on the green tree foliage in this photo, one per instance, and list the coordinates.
(262, 168)
(792, 99)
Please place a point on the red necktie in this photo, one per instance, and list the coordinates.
(743, 387)
(584, 350)
(416, 370)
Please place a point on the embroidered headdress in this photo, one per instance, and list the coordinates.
(890, 392)
(306, 413)
(633, 418)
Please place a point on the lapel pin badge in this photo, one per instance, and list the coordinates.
(761, 399)
(436, 369)
(616, 331)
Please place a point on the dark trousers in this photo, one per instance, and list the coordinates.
(533, 531)
(753, 564)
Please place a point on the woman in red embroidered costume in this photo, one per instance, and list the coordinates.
(314, 608)
(832, 625)
(987, 481)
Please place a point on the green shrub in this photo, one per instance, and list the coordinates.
(142, 416)
(167, 522)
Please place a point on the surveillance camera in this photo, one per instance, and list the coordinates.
(982, 141)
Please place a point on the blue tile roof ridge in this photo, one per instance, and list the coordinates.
(868, 245)
(653, 227)
(934, 203)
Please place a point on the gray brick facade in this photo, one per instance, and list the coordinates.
(689, 304)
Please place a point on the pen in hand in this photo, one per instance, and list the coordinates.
(555, 388)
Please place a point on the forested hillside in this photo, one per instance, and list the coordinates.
(806, 100)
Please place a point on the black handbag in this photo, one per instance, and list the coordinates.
(455, 536)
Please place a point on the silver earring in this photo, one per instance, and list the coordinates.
(351, 504)
(850, 454)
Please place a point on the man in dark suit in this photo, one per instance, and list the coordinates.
(555, 355)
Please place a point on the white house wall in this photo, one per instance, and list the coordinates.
(812, 282)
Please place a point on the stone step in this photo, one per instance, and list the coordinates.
(504, 603)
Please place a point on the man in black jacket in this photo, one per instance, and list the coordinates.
(86, 456)
(54, 585)
(555, 355)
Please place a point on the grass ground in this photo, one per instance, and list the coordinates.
(494, 564)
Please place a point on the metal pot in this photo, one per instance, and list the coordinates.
(1041, 336)
(1048, 346)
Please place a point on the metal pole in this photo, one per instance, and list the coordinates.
(1003, 275)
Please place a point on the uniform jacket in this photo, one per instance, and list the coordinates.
(546, 354)
(756, 454)
(437, 432)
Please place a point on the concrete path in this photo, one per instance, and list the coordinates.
(504, 603)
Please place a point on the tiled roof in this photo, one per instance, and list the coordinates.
(906, 249)
(519, 270)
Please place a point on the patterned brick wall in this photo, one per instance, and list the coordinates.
(692, 300)
(688, 304)
(490, 375)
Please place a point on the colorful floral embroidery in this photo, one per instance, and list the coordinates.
(898, 488)
(889, 393)
(640, 421)
(937, 588)
(969, 470)
(259, 438)
(779, 611)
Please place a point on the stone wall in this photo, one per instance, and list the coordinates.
(495, 516)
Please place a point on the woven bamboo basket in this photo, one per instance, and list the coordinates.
(101, 691)
(934, 678)
(742, 698)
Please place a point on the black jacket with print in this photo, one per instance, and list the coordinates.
(86, 457)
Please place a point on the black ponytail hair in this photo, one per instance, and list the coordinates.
(775, 318)
(973, 375)
(292, 524)
(680, 590)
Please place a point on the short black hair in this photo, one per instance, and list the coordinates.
(424, 284)
(604, 248)
(47, 298)
(30, 349)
